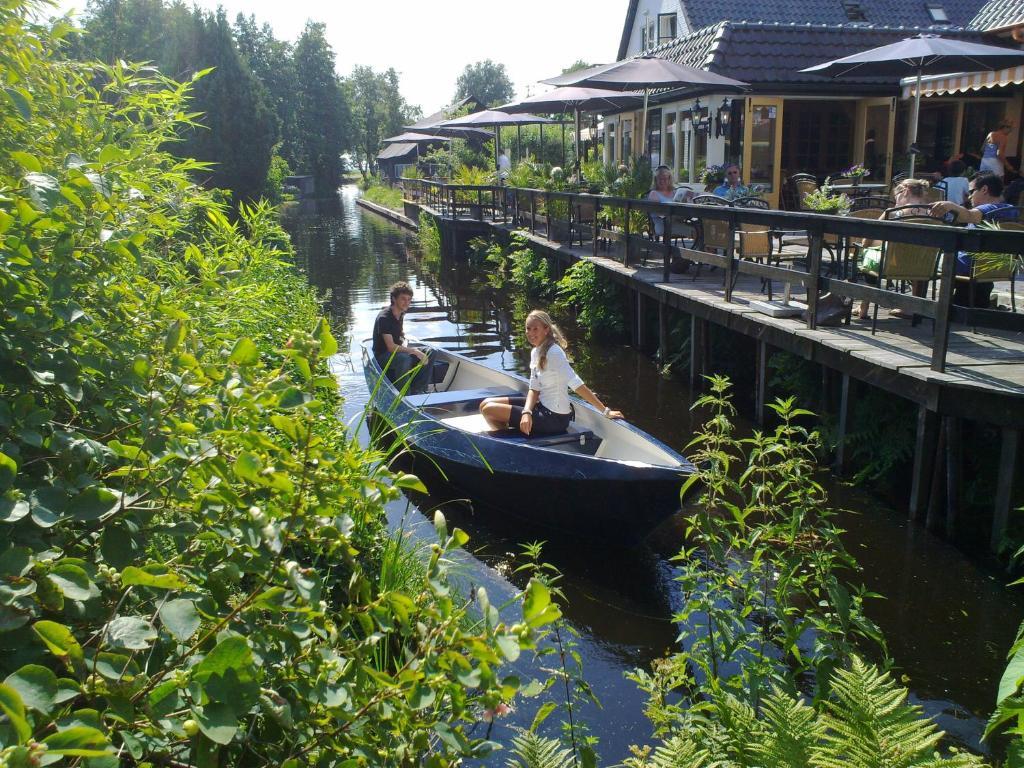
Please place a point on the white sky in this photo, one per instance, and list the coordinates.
(429, 43)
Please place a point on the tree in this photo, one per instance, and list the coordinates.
(576, 66)
(485, 81)
(378, 111)
(324, 113)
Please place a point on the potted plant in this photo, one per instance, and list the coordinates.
(823, 200)
(856, 172)
(712, 177)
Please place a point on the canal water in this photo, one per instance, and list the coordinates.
(948, 622)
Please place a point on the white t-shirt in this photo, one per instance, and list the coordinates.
(554, 380)
(956, 189)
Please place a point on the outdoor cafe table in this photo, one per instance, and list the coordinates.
(864, 189)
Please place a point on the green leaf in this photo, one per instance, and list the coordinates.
(542, 714)
(48, 505)
(12, 706)
(36, 685)
(79, 741)
(537, 598)
(118, 546)
(114, 666)
(21, 101)
(110, 154)
(94, 502)
(247, 467)
(509, 646)
(1012, 676)
(58, 639)
(73, 582)
(16, 561)
(43, 189)
(12, 511)
(410, 482)
(131, 632)
(180, 617)
(328, 344)
(8, 471)
(422, 697)
(133, 575)
(292, 397)
(244, 353)
(218, 722)
(174, 336)
(26, 161)
(228, 674)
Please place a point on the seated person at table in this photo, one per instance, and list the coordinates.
(956, 183)
(1013, 193)
(665, 192)
(389, 349)
(909, 192)
(985, 194)
(732, 187)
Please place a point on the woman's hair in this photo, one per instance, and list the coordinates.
(554, 334)
(1006, 122)
(915, 187)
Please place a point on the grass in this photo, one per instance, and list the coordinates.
(386, 196)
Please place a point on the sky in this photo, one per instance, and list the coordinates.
(430, 43)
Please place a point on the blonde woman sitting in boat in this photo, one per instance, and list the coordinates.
(546, 409)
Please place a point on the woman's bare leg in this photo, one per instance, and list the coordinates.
(496, 411)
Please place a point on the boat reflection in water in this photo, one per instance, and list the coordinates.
(601, 478)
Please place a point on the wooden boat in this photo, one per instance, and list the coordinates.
(602, 477)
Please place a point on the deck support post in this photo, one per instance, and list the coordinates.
(698, 352)
(938, 487)
(924, 458)
(954, 467)
(761, 381)
(662, 333)
(1004, 485)
(844, 419)
(641, 326)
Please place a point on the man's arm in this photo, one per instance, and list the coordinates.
(963, 215)
(392, 347)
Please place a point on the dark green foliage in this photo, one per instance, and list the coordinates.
(193, 568)
(597, 300)
(378, 111)
(485, 81)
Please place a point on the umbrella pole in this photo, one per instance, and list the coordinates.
(519, 142)
(643, 128)
(497, 144)
(563, 141)
(540, 152)
(913, 122)
(576, 126)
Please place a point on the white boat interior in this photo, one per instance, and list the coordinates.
(460, 385)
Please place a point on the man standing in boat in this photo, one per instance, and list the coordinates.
(389, 349)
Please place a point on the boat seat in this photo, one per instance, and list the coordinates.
(466, 399)
(575, 439)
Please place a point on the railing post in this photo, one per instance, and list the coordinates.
(942, 311)
(597, 226)
(730, 255)
(547, 217)
(625, 230)
(814, 276)
(533, 212)
(666, 274)
(479, 204)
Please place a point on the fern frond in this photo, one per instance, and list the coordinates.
(792, 731)
(680, 752)
(870, 725)
(532, 751)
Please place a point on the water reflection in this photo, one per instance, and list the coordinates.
(948, 623)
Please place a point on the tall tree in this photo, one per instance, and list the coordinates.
(378, 111)
(486, 81)
(324, 113)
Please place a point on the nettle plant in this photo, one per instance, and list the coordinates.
(190, 540)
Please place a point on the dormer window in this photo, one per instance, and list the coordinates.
(666, 27)
(853, 10)
(938, 13)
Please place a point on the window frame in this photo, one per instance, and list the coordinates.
(675, 27)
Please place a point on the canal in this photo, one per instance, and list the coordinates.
(948, 622)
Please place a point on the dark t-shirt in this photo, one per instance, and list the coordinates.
(386, 322)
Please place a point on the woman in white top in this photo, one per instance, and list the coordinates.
(665, 192)
(545, 410)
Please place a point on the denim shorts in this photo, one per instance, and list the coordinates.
(545, 421)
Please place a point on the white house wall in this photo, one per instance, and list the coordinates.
(649, 10)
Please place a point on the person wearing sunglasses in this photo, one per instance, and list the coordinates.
(732, 187)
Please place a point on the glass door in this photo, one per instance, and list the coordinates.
(876, 123)
(762, 146)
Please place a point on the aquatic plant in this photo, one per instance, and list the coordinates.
(595, 298)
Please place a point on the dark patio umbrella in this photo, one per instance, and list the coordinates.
(921, 55)
(578, 99)
(492, 118)
(412, 137)
(648, 73)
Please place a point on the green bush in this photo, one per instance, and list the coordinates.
(273, 187)
(389, 197)
(192, 562)
(597, 300)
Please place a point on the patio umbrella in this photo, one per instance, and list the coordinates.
(646, 73)
(921, 55)
(578, 99)
(411, 137)
(492, 118)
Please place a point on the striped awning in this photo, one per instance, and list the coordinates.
(938, 85)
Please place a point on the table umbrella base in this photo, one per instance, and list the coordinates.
(779, 308)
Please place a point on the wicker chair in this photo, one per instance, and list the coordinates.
(870, 203)
(906, 262)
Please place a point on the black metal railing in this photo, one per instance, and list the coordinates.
(624, 224)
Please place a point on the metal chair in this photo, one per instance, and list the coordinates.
(914, 210)
(906, 262)
(991, 270)
(803, 188)
(583, 212)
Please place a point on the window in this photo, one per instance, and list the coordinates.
(853, 10)
(627, 140)
(668, 152)
(938, 13)
(666, 27)
(610, 139)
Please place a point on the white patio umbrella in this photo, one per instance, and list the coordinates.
(492, 118)
(921, 55)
